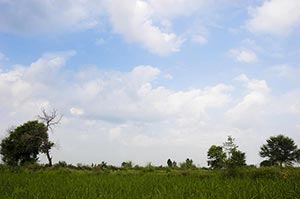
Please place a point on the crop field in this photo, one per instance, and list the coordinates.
(68, 183)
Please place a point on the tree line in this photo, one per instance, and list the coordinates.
(24, 143)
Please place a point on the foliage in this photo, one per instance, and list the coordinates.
(171, 163)
(127, 165)
(280, 150)
(188, 164)
(216, 157)
(238, 158)
(24, 143)
(226, 156)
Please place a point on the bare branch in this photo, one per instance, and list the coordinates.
(50, 119)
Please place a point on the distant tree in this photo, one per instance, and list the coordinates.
(226, 156)
(229, 146)
(280, 151)
(49, 120)
(188, 164)
(216, 157)
(174, 164)
(103, 165)
(170, 163)
(24, 143)
(266, 163)
(237, 159)
(127, 165)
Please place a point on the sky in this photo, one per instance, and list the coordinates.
(148, 80)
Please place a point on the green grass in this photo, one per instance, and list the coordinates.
(66, 183)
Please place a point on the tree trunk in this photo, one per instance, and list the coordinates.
(49, 158)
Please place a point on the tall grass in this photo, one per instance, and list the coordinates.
(67, 183)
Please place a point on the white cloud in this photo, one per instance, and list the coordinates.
(275, 17)
(132, 116)
(286, 71)
(30, 16)
(134, 21)
(76, 111)
(175, 8)
(145, 22)
(243, 55)
(145, 115)
(248, 112)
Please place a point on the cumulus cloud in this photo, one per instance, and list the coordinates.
(145, 22)
(20, 16)
(116, 107)
(131, 116)
(176, 8)
(134, 21)
(249, 111)
(76, 111)
(243, 55)
(275, 17)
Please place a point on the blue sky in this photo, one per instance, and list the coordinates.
(148, 80)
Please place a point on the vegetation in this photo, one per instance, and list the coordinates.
(226, 156)
(228, 176)
(280, 150)
(24, 143)
(162, 182)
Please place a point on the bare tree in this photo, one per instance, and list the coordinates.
(50, 120)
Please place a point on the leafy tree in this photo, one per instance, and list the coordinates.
(216, 157)
(24, 143)
(188, 164)
(237, 159)
(174, 164)
(171, 163)
(226, 156)
(280, 150)
(103, 165)
(265, 163)
(127, 165)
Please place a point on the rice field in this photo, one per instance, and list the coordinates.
(66, 183)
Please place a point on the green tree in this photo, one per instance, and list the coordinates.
(226, 156)
(171, 163)
(188, 164)
(127, 165)
(237, 159)
(280, 150)
(216, 157)
(24, 143)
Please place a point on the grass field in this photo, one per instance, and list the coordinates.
(68, 183)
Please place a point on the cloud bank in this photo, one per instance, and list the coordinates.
(116, 116)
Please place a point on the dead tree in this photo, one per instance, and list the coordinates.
(50, 120)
